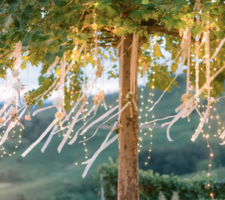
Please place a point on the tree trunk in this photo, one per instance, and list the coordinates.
(128, 180)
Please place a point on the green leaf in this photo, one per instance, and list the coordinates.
(145, 2)
(198, 29)
(40, 103)
(120, 32)
(43, 3)
(26, 40)
(157, 52)
(104, 56)
(41, 79)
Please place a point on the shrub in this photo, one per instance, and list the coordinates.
(151, 184)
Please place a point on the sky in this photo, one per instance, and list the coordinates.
(31, 81)
(108, 86)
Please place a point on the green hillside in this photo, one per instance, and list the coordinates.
(53, 176)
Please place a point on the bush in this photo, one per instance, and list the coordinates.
(151, 185)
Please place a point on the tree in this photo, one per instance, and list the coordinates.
(55, 31)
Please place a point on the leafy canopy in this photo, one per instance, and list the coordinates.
(51, 28)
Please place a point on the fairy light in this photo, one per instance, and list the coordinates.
(149, 104)
(140, 119)
(3, 150)
(196, 60)
(84, 136)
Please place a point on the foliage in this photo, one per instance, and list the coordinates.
(151, 184)
(52, 28)
(163, 159)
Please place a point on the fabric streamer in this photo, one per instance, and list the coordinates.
(6, 105)
(53, 65)
(198, 36)
(186, 109)
(55, 127)
(49, 138)
(42, 109)
(121, 53)
(207, 55)
(200, 126)
(218, 48)
(11, 125)
(188, 60)
(102, 147)
(74, 59)
(99, 119)
(71, 126)
(40, 138)
(134, 63)
(105, 122)
(183, 46)
(76, 134)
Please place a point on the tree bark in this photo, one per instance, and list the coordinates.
(128, 180)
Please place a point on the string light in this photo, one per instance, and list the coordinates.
(3, 150)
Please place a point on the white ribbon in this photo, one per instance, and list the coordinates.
(49, 139)
(102, 147)
(40, 138)
(76, 134)
(11, 125)
(71, 127)
(17, 54)
(53, 65)
(134, 63)
(184, 112)
(108, 113)
(6, 105)
(218, 48)
(184, 50)
(75, 58)
(42, 109)
(54, 84)
(200, 126)
(99, 119)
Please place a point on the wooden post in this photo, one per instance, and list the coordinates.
(128, 180)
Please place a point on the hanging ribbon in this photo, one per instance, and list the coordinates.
(105, 144)
(186, 108)
(183, 59)
(41, 137)
(198, 36)
(99, 119)
(49, 139)
(17, 54)
(76, 134)
(54, 131)
(53, 65)
(6, 105)
(107, 121)
(54, 86)
(130, 98)
(207, 55)
(134, 63)
(74, 59)
(200, 126)
(42, 109)
(71, 126)
(11, 125)
(188, 60)
(218, 48)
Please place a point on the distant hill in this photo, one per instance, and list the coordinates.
(53, 176)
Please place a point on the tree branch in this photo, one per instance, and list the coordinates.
(152, 26)
(6, 54)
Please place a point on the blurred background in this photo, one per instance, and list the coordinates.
(53, 176)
